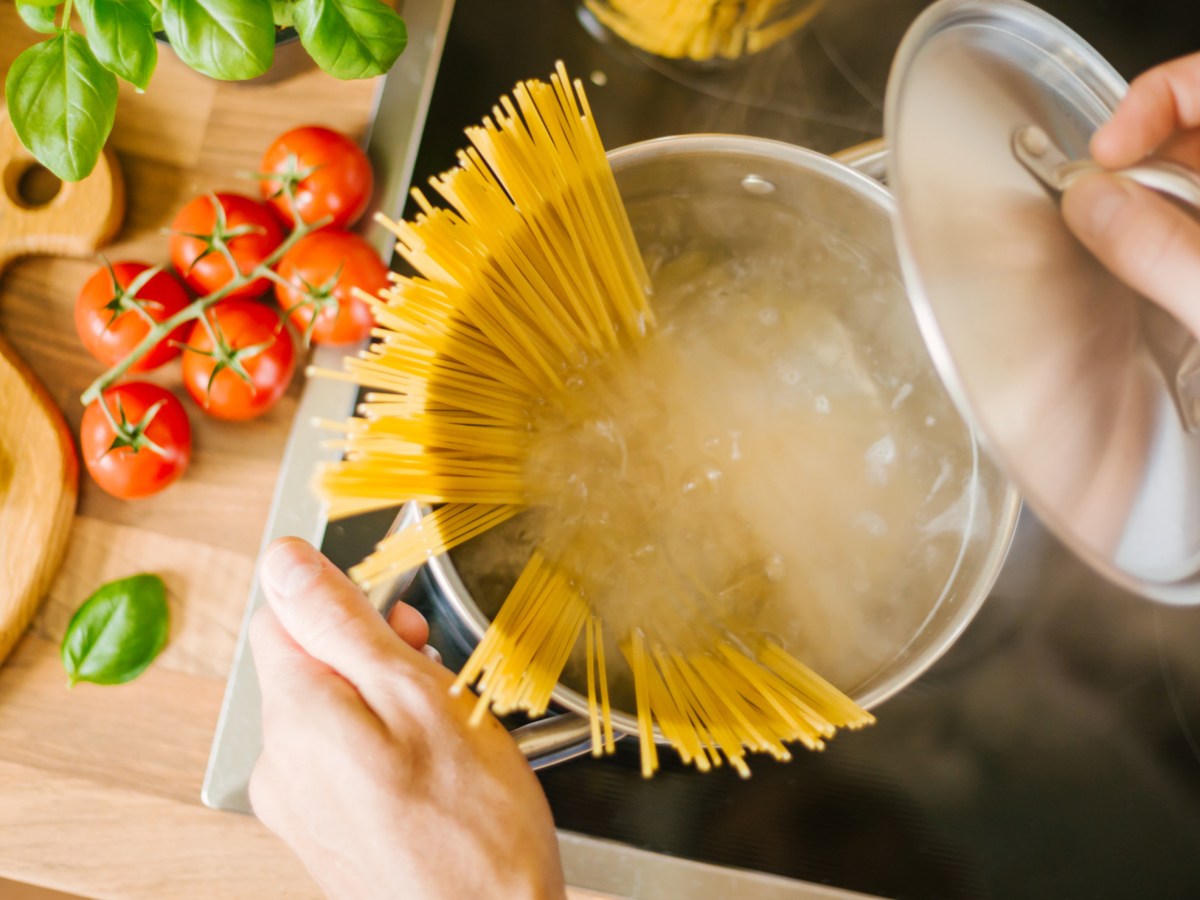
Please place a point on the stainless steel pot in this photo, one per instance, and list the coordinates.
(843, 194)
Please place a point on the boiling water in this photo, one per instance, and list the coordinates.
(778, 457)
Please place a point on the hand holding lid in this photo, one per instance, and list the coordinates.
(1076, 383)
(1151, 244)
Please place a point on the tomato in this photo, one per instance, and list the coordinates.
(249, 336)
(332, 176)
(323, 267)
(111, 322)
(255, 235)
(153, 449)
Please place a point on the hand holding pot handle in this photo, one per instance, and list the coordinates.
(1149, 242)
(370, 770)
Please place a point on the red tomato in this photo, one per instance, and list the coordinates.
(251, 336)
(323, 267)
(108, 319)
(255, 235)
(148, 455)
(331, 173)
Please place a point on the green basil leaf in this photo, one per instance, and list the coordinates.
(117, 632)
(62, 103)
(282, 11)
(227, 39)
(156, 23)
(120, 35)
(350, 38)
(39, 18)
(39, 2)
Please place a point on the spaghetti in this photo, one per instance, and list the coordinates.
(530, 285)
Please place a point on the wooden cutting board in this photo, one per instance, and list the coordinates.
(39, 474)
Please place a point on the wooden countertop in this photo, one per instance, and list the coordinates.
(100, 786)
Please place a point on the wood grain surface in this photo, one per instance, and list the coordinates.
(99, 786)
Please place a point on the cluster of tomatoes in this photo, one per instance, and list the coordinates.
(240, 354)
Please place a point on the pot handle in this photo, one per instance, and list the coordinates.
(869, 157)
(554, 739)
(545, 742)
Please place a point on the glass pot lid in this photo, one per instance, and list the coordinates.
(1076, 385)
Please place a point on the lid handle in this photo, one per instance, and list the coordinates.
(1050, 166)
(1046, 162)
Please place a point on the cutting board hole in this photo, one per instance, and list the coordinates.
(35, 186)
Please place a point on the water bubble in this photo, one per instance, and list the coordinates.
(872, 522)
(880, 455)
(578, 486)
(768, 315)
(707, 479)
(883, 451)
(713, 476)
(902, 395)
(821, 404)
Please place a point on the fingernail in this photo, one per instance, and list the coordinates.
(290, 567)
(431, 651)
(1092, 203)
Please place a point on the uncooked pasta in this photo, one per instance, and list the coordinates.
(532, 306)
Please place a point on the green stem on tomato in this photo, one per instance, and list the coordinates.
(112, 420)
(274, 276)
(198, 307)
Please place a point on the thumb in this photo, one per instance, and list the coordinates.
(1143, 238)
(326, 615)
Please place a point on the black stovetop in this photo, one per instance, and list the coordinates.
(1055, 750)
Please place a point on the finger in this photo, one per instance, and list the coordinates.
(328, 616)
(1145, 240)
(1160, 102)
(409, 624)
(1183, 148)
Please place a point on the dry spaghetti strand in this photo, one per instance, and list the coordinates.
(439, 531)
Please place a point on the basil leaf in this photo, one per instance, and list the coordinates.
(39, 18)
(117, 632)
(119, 34)
(156, 24)
(226, 39)
(282, 11)
(39, 2)
(62, 103)
(350, 38)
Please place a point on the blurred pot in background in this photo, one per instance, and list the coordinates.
(702, 31)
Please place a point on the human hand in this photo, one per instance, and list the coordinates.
(1144, 239)
(370, 771)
